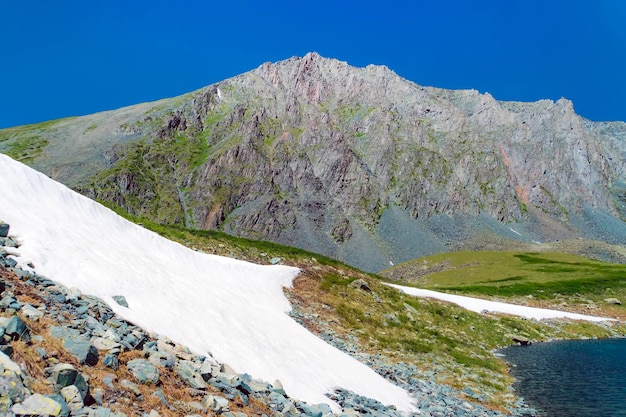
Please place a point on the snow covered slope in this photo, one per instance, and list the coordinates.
(232, 309)
(479, 305)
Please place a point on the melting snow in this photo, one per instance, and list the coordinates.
(232, 309)
(478, 305)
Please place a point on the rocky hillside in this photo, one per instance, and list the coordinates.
(356, 163)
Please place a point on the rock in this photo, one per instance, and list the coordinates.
(131, 386)
(108, 380)
(83, 350)
(64, 375)
(314, 410)
(37, 405)
(121, 300)
(12, 389)
(111, 361)
(614, 301)
(4, 229)
(189, 375)
(162, 359)
(17, 329)
(72, 397)
(360, 284)
(8, 262)
(31, 312)
(76, 344)
(216, 403)
(101, 343)
(143, 371)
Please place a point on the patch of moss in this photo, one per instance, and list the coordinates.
(27, 149)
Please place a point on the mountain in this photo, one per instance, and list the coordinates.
(356, 163)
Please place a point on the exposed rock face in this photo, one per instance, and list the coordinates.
(356, 163)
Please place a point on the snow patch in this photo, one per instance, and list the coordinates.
(479, 305)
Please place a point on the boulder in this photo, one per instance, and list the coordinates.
(111, 361)
(143, 371)
(188, 374)
(37, 405)
(360, 284)
(31, 312)
(82, 349)
(72, 397)
(4, 229)
(614, 301)
(17, 329)
(12, 388)
(216, 403)
(121, 300)
(101, 343)
(64, 375)
(131, 386)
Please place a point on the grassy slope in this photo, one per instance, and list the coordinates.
(444, 339)
(546, 279)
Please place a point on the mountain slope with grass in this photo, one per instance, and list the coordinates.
(356, 163)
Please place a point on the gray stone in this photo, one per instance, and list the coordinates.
(82, 349)
(37, 405)
(31, 312)
(162, 359)
(101, 343)
(216, 403)
(360, 284)
(64, 375)
(315, 410)
(98, 395)
(72, 397)
(76, 344)
(121, 300)
(17, 329)
(189, 375)
(12, 388)
(111, 361)
(614, 301)
(143, 371)
(131, 386)
(4, 229)
(108, 380)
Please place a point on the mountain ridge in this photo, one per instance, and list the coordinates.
(356, 163)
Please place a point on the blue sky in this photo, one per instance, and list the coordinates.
(66, 58)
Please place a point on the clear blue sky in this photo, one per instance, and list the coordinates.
(65, 58)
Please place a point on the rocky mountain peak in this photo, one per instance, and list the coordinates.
(357, 163)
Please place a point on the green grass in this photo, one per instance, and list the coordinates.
(513, 274)
(26, 149)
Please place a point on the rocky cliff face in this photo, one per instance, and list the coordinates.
(356, 163)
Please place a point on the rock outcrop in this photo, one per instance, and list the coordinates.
(356, 163)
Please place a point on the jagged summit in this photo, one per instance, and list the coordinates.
(357, 163)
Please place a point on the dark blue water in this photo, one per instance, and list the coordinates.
(572, 378)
